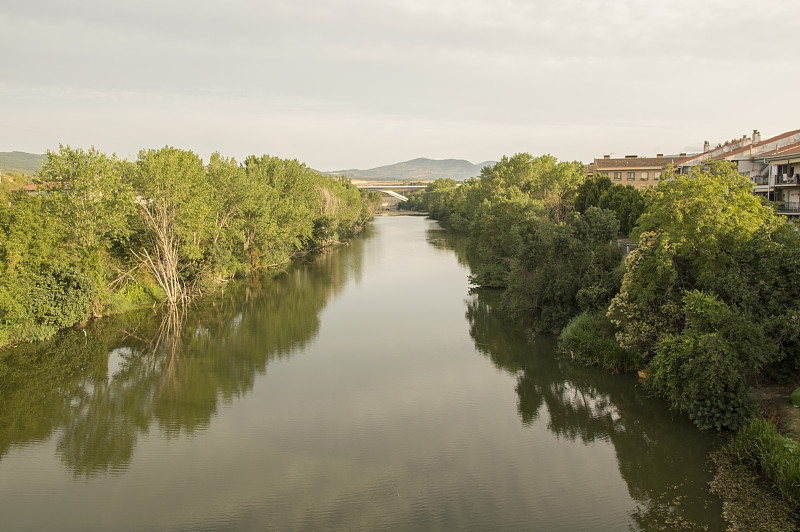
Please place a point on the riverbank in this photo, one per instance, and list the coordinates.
(366, 388)
(756, 473)
(775, 406)
(168, 226)
(693, 303)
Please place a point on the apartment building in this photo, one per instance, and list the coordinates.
(640, 172)
(773, 165)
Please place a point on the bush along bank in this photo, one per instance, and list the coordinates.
(708, 302)
(103, 235)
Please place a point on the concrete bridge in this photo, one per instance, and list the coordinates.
(391, 193)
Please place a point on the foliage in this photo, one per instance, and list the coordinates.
(759, 444)
(704, 213)
(561, 269)
(711, 294)
(277, 213)
(173, 196)
(494, 208)
(30, 241)
(701, 371)
(626, 202)
(110, 235)
(646, 307)
(16, 181)
(589, 339)
(61, 296)
(90, 194)
(525, 237)
(704, 231)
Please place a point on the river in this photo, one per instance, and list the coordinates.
(367, 388)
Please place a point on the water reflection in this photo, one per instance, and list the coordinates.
(100, 389)
(588, 404)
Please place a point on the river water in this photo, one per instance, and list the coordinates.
(365, 389)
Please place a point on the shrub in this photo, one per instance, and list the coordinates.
(491, 275)
(701, 370)
(699, 374)
(61, 296)
(589, 339)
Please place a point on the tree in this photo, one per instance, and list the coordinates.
(278, 211)
(688, 237)
(561, 269)
(626, 202)
(174, 200)
(710, 295)
(91, 196)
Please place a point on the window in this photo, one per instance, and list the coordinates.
(631, 176)
(617, 176)
(644, 176)
(656, 175)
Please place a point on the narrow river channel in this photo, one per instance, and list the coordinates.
(365, 389)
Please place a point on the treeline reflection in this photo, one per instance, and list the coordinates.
(589, 404)
(99, 389)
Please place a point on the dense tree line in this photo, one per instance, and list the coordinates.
(106, 234)
(709, 301)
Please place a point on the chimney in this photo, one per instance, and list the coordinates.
(756, 136)
(659, 155)
(606, 157)
(630, 156)
(682, 155)
(706, 146)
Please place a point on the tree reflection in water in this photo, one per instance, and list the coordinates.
(660, 455)
(99, 390)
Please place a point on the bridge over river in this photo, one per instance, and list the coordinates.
(392, 194)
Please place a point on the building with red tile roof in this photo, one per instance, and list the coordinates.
(640, 172)
(773, 165)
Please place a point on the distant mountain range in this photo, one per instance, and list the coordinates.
(13, 162)
(18, 162)
(418, 169)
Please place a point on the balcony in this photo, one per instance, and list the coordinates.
(786, 180)
(788, 207)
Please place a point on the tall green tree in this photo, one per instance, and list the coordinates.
(626, 202)
(563, 268)
(91, 195)
(174, 198)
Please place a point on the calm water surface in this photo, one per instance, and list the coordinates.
(366, 389)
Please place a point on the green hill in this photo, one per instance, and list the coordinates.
(418, 170)
(18, 162)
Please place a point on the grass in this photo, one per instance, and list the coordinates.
(759, 445)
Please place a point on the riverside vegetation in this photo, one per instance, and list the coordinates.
(105, 235)
(708, 302)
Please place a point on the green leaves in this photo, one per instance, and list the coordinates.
(710, 294)
(90, 194)
(116, 228)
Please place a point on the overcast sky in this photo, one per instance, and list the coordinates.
(363, 83)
